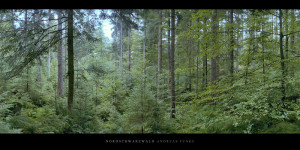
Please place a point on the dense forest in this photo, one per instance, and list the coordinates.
(162, 71)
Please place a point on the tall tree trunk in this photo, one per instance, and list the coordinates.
(66, 56)
(26, 49)
(190, 47)
(197, 62)
(172, 63)
(231, 59)
(204, 81)
(159, 60)
(121, 46)
(39, 62)
(60, 57)
(283, 71)
(70, 61)
(49, 46)
(249, 54)
(292, 47)
(169, 46)
(214, 69)
(287, 41)
(263, 51)
(129, 49)
(144, 72)
(238, 48)
(144, 47)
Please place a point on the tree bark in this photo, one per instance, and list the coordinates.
(60, 57)
(70, 61)
(214, 69)
(204, 81)
(121, 46)
(49, 47)
(238, 48)
(283, 71)
(263, 51)
(129, 49)
(292, 47)
(172, 63)
(231, 59)
(169, 46)
(197, 62)
(39, 62)
(144, 47)
(287, 41)
(25, 41)
(159, 60)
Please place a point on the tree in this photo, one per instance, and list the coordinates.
(159, 60)
(283, 69)
(25, 41)
(59, 57)
(70, 61)
(172, 64)
(129, 49)
(205, 66)
(214, 56)
(39, 61)
(49, 53)
(121, 46)
(231, 50)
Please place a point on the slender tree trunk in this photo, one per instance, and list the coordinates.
(292, 38)
(204, 81)
(190, 45)
(248, 55)
(121, 46)
(287, 41)
(129, 50)
(197, 62)
(238, 49)
(214, 69)
(159, 60)
(144, 47)
(263, 51)
(172, 63)
(169, 46)
(60, 57)
(283, 71)
(70, 61)
(66, 57)
(39, 62)
(49, 47)
(25, 41)
(144, 73)
(66, 51)
(231, 59)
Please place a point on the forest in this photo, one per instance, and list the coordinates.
(162, 71)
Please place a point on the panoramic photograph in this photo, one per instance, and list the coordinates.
(149, 71)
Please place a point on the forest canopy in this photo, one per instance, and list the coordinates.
(162, 71)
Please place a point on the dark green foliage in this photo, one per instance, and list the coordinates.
(257, 95)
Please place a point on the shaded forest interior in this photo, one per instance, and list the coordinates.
(162, 71)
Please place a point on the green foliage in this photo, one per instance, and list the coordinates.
(110, 100)
(38, 120)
